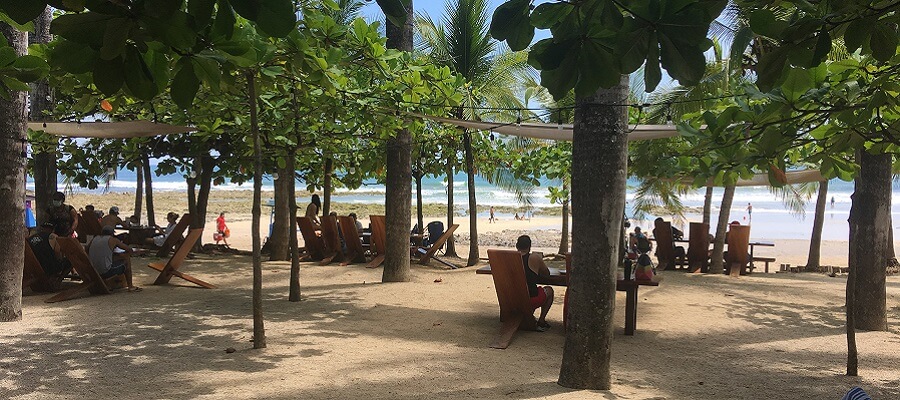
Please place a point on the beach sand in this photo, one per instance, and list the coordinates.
(772, 336)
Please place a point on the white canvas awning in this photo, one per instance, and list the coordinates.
(550, 131)
(792, 177)
(109, 130)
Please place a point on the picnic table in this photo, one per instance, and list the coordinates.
(767, 260)
(558, 277)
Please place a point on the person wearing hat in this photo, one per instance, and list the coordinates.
(113, 218)
(103, 256)
(46, 250)
(63, 216)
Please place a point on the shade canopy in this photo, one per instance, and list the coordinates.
(551, 131)
(109, 130)
(792, 177)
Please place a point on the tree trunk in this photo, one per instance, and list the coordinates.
(148, 189)
(196, 221)
(326, 187)
(13, 119)
(717, 260)
(294, 292)
(42, 104)
(869, 246)
(599, 154)
(138, 191)
(207, 164)
(450, 249)
(473, 206)
(398, 185)
(279, 241)
(259, 330)
(564, 241)
(852, 355)
(420, 217)
(707, 205)
(815, 242)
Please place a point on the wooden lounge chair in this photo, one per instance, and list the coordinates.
(512, 294)
(91, 281)
(698, 248)
(88, 226)
(356, 252)
(437, 245)
(331, 240)
(34, 276)
(170, 268)
(665, 247)
(379, 240)
(315, 250)
(738, 244)
(176, 236)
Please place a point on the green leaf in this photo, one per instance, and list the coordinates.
(29, 27)
(23, 11)
(511, 23)
(797, 83)
(684, 61)
(764, 23)
(109, 75)
(117, 30)
(162, 8)
(185, 85)
(822, 48)
(225, 20)
(175, 30)
(770, 68)
(72, 57)
(595, 69)
(858, 33)
(202, 11)
(652, 72)
(277, 18)
(632, 46)
(30, 68)
(207, 70)
(138, 77)
(394, 10)
(883, 42)
(87, 28)
(548, 54)
(548, 15)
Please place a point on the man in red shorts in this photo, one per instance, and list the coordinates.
(541, 296)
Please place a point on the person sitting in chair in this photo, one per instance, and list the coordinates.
(639, 242)
(541, 296)
(46, 250)
(160, 239)
(101, 251)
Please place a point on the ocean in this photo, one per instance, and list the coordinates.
(770, 217)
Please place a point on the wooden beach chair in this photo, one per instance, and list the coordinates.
(88, 226)
(170, 268)
(665, 247)
(91, 281)
(176, 236)
(315, 250)
(428, 253)
(331, 240)
(356, 252)
(379, 240)
(34, 276)
(698, 248)
(738, 244)
(512, 294)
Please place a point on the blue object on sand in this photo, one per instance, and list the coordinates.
(30, 221)
(856, 394)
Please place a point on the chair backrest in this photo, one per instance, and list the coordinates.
(435, 229)
(665, 246)
(509, 282)
(34, 275)
(698, 245)
(91, 222)
(186, 246)
(74, 252)
(175, 236)
(738, 244)
(379, 233)
(313, 243)
(352, 239)
(330, 237)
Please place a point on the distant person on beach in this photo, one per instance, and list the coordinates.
(63, 216)
(832, 201)
(312, 211)
(492, 219)
(750, 212)
(222, 231)
(109, 263)
(518, 217)
(541, 296)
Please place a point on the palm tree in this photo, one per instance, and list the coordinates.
(462, 42)
(346, 12)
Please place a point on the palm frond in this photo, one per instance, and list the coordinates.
(659, 197)
(794, 197)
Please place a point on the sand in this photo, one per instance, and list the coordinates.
(772, 336)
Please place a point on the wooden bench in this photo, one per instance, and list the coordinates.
(698, 247)
(170, 268)
(176, 236)
(315, 250)
(356, 252)
(665, 247)
(91, 281)
(766, 260)
(331, 240)
(437, 245)
(736, 260)
(379, 240)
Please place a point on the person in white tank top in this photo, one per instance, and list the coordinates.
(106, 261)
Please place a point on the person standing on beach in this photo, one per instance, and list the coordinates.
(222, 231)
(312, 211)
(750, 212)
(832, 201)
(541, 296)
(492, 219)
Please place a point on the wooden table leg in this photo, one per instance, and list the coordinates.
(631, 300)
(751, 260)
